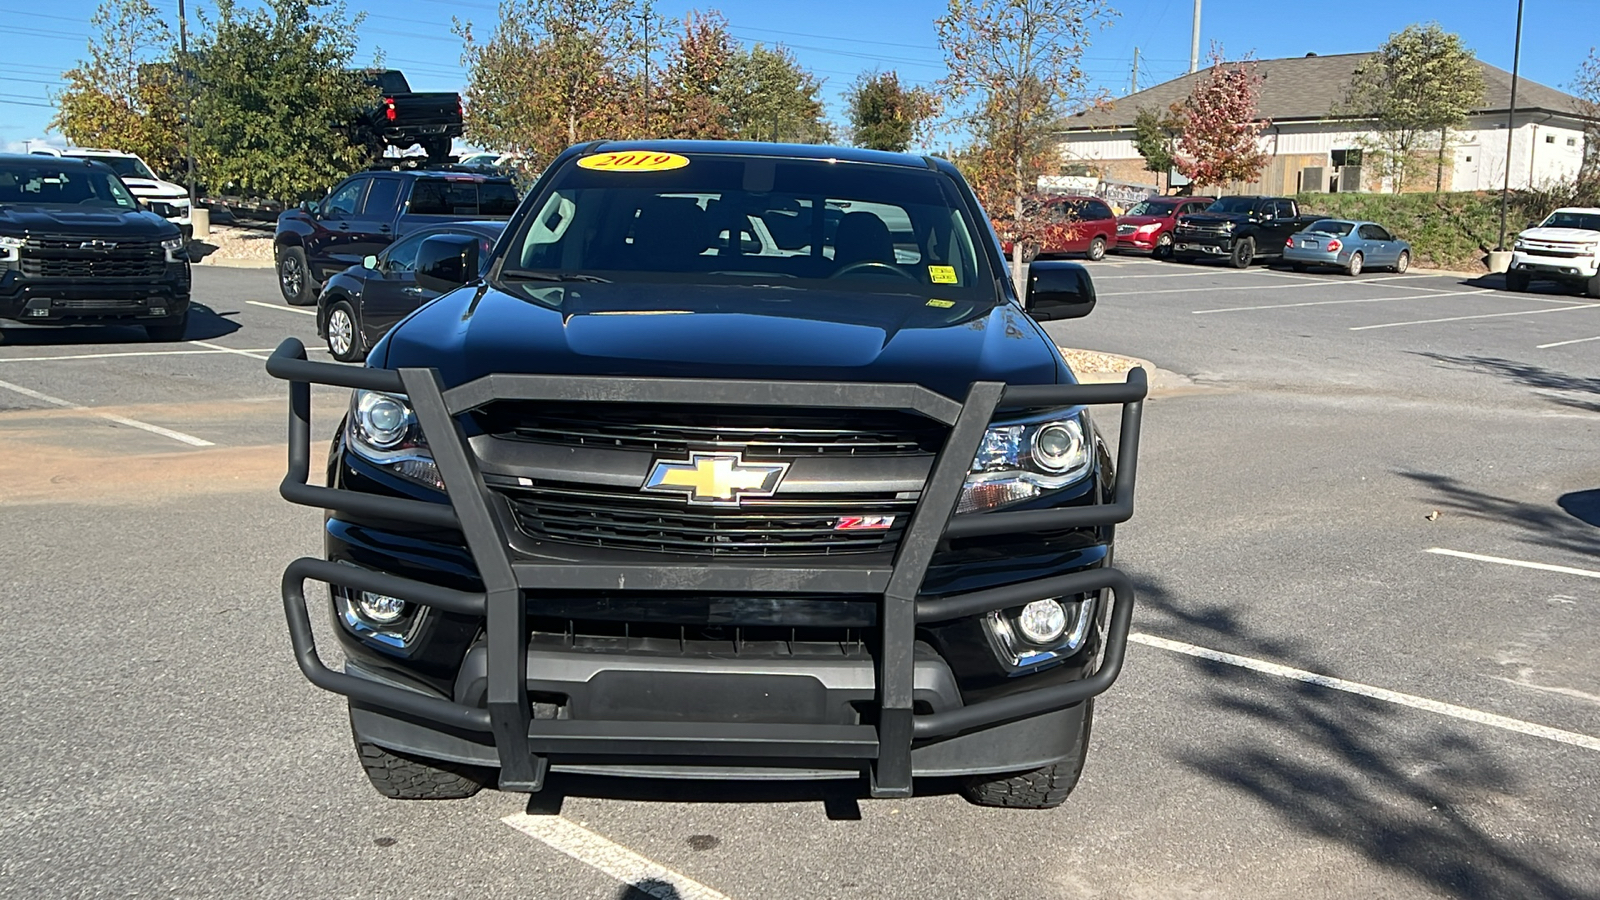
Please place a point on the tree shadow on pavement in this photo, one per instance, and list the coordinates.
(1359, 772)
(1568, 524)
(1574, 391)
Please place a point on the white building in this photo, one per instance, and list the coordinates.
(1298, 96)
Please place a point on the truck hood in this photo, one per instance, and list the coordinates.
(18, 220)
(1561, 235)
(696, 331)
(151, 187)
(1211, 218)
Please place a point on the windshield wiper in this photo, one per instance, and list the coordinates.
(528, 275)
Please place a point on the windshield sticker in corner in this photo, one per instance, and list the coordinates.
(942, 274)
(633, 161)
(941, 304)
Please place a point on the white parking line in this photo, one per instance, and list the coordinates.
(281, 308)
(643, 875)
(1201, 312)
(253, 354)
(1377, 693)
(189, 439)
(1501, 560)
(1300, 283)
(1564, 343)
(1523, 312)
(11, 359)
(1187, 274)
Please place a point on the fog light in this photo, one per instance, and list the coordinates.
(1042, 621)
(379, 609)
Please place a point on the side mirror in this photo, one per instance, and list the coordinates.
(446, 262)
(369, 262)
(1058, 290)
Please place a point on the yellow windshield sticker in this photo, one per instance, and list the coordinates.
(942, 304)
(942, 274)
(633, 161)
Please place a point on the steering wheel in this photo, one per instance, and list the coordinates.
(873, 264)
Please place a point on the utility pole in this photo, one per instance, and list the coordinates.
(188, 104)
(1194, 41)
(1133, 87)
(1511, 126)
(646, 13)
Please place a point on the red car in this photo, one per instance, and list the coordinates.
(1147, 227)
(1072, 225)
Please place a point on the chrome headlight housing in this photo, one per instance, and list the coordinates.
(177, 249)
(10, 247)
(382, 429)
(1021, 459)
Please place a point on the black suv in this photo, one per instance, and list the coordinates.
(76, 248)
(686, 486)
(370, 210)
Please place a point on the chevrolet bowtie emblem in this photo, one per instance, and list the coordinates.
(715, 478)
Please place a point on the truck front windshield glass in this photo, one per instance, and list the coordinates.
(36, 184)
(780, 223)
(1586, 221)
(1232, 205)
(125, 166)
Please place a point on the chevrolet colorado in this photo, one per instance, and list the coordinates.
(644, 500)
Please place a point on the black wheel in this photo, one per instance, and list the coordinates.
(1353, 267)
(1244, 253)
(1097, 249)
(1403, 264)
(1518, 281)
(294, 277)
(344, 333)
(169, 331)
(401, 776)
(437, 148)
(1163, 248)
(1592, 289)
(1045, 788)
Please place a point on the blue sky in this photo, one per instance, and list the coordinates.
(839, 38)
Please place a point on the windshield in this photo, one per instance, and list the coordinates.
(45, 184)
(1150, 208)
(1235, 205)
(783, 223)
(1328, 226)
(124, 166)
(463, 197)
(1586, 221)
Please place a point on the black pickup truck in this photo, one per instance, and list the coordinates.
(657, 497)
(77, 248)
(403, 117)
(1240, 230)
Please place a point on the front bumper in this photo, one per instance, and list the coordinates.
(1140, 242)
(906, 715)
(1202, 244)
(1556, 268)
(64, 302)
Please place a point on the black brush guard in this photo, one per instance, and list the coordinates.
(524, 744)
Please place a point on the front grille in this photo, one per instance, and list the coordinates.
(1124, 229)
(759, 641)
(75, 303)
(1203, 229)
(667, 430)
(70, 259)
(618, 520)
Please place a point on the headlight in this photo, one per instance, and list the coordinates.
(383, 430)
(1020, 460)
(1227, 226)
(1519, 246)
(177, 249)
(1044, 631)
(1143, 229)
(9, 247)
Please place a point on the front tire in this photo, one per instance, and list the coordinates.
(1045, 788)
(344, 333)
(294, 277)
(1244, 253)
(1097, 249)
(1163, 248)
(400, 776)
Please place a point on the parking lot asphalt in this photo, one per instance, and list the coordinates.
(1366, 544)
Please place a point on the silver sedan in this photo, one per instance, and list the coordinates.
(1351, 246)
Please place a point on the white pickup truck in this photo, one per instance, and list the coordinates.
(1564, 248)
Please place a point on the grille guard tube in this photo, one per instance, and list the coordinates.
(508, 714)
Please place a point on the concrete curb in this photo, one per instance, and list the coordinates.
(1162, 381)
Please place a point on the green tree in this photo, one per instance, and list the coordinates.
(276, 92)
(886, 115)
(695, 81)
(1221, 125)
(1017, 67)
(1416, 90)
(1156, 138)
(120, 96)
(770, 97)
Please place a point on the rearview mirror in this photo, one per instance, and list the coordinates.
(447, 261)
(1058, 290)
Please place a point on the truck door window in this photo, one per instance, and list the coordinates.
(345, 199)
(1284, 209)
(383, 198)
